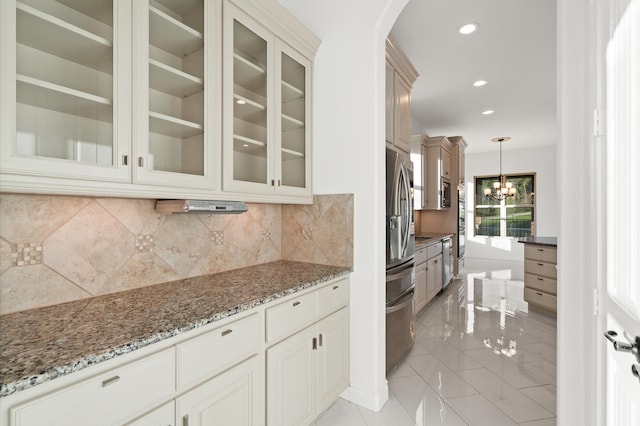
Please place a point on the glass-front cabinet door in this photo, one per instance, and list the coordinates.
(266, 103)
(292, 158)
(174, 75)
(62, 113)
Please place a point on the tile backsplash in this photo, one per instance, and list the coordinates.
(55, 249)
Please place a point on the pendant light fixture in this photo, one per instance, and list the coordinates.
(501, 189)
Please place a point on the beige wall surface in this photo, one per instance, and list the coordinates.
(55, 249)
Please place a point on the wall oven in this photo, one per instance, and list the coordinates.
(445, 199)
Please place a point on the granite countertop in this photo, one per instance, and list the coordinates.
(42, 344)
(429, 238)
(542, 241)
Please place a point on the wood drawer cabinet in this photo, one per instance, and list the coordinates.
(540, 278)
(219, 371)
(235, 397)
(204, 356)
(109, 398)
(308, 369)
(421, 278)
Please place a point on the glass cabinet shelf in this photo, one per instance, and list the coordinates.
(43, 94)
(172, 126)
(50, 34)
(290, 92)
(173, 81)
(171, 35)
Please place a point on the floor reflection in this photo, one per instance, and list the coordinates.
(481, 357)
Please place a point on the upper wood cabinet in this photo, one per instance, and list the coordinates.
(267, 104)
(399, 79)
(65, 83)
(432, 171)
(125, 98)
(459, 147)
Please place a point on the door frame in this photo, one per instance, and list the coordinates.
(578, 265)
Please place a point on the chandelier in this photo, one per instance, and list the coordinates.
(501, 189)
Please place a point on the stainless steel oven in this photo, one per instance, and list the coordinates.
(445, 199)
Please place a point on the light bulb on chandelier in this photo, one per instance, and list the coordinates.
(501, 189)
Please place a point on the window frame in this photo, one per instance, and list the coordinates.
(502, 206)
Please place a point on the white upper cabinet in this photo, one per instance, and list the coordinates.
(63, 111)
(124, 98)
(176, 116)
(266, 139)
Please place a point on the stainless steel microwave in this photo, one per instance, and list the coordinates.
(445, 199)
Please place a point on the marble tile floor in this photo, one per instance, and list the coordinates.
(481, 357)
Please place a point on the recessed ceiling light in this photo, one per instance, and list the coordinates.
(469, 28)
(488, 112)
(479, 83)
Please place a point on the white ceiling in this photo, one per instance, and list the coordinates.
(514, 50)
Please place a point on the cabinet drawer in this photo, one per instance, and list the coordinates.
(421, 255)
(109, 398)
(291, 316)
(333, 297)
(542, 253)
(204, 356)
(540, 298)
(545, 284)
(434, 249)
(540, 268)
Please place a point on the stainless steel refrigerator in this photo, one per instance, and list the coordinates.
(400, 279)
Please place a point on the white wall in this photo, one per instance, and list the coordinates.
(541, 161)
(348, 150)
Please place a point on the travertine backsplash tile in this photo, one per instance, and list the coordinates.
(91, 246)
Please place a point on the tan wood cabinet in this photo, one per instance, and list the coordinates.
(540, 276)
(432, 171)
(399, 79)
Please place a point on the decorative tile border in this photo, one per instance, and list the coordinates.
(25, 254)
(217, 237)
(145, 244)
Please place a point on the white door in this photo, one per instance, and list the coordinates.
(619, 62)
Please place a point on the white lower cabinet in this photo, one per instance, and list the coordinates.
(212, 376)
(161, 416)
(307, 371)
(235, 397)
(434, 277)
(109, 398)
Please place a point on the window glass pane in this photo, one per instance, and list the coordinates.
(519, 220)
(487, 221)
(481, 185)
(524, 189)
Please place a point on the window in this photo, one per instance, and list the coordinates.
(512, 217)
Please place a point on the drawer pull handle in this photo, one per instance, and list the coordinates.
(540, 249)
(110, 381)
(227, 331)
(320, 339)
(538, 293)
(185, 420)
(540, 279)
(335, 287)
(314, 344)
(540, 264)
(296, 303)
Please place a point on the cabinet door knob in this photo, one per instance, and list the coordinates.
(185, 420)
(296, 303)
(140, 162)
(335, 287)
(125, 160)
(314, 344)
(227, 331)
(320, 339)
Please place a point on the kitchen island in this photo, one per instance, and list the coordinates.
(540, 273)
